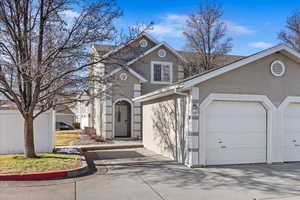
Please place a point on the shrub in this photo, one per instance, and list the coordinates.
(76, 125)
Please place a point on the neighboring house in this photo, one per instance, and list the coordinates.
(65, 114)
(244, 112)
(136, 68)
(82, 110)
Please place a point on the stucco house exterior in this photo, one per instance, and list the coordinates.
(247, 111)
(136, 68)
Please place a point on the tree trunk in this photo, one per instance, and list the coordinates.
(29, 138)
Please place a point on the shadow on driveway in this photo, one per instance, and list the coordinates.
(276, 179)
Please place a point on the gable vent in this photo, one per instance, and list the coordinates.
(277, 68)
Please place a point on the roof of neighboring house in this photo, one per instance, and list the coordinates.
(104, 48)
(63, 109)
(220, 61)
(188, 56)
(7, 105)
(199, 78)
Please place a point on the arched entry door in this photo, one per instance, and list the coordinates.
(122, 119)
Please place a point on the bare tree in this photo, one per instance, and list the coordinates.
(291, 36)
(206, 36)
(44, 51)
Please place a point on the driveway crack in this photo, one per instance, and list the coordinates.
(149, 185)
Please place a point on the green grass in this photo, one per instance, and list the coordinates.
(64, 138)
(45, 163)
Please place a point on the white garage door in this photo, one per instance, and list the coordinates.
(292, 132)
(236, 133)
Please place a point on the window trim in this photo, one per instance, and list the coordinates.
(161, 63)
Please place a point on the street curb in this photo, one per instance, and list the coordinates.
(37, 176)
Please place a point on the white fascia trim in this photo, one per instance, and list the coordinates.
(240, 63)
(175, 52)
(157, 93)
(141, 78)
(264, 100)
(153, 49)
(126, 44)
(144, 54)
(134, 73)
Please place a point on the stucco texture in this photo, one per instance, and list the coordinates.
(256, 78)
(143, 67)
(163, 127)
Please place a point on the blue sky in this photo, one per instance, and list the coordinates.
(253, 24)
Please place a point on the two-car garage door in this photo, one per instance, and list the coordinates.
(236, 133)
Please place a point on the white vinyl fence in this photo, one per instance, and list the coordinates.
(12, 133)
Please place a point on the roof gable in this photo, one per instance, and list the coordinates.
(197, 79)
(237, 64)
(131, 71)
(155, 48)
(117, 49)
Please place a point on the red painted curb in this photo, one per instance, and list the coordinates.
(33, 176)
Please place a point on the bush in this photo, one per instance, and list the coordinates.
(76, 125)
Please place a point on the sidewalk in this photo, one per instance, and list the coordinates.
(117, 144)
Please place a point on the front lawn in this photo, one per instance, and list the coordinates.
(45, 163)
(64, 138)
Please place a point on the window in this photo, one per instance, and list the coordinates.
(161, 72)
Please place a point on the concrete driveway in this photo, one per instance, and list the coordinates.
(141, 175)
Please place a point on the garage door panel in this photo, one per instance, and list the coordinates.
(235, 133)
(237, 156)
(232, 140)
(292, 132)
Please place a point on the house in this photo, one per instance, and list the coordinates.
(81, 111)
(247, 111)
(136, 68)
(64, 113)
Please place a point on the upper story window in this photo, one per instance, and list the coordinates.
(161, 72)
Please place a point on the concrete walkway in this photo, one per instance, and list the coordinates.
(137, 174)
(117, 144)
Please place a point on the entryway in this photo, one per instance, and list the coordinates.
(122, 120)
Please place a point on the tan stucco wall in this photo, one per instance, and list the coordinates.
(162, 133)
(143, 67)
(127, 54)
(123, 89)
(256, 78)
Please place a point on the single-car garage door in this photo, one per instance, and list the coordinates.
(236, 133)
(292, 132)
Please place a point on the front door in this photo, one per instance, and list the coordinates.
(122, 119)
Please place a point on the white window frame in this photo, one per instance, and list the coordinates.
(161, 63)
